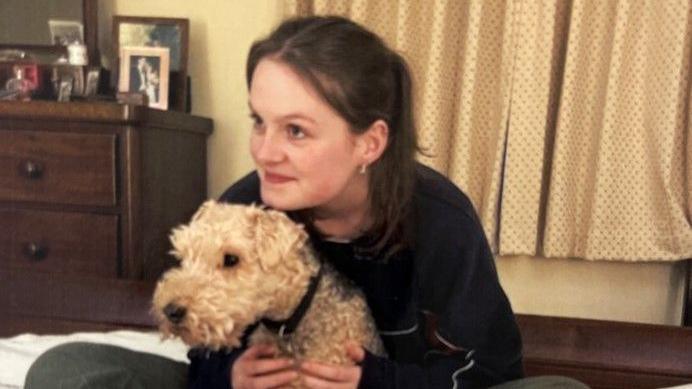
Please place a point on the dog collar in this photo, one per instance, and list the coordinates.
(286, 327)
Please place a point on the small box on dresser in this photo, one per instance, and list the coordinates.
(88, 195)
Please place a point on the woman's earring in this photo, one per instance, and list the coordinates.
(363, 167)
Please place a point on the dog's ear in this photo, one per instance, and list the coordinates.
(181, 233)
(275, 236)
(177, 235)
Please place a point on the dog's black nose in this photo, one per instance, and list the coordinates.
(174, 313)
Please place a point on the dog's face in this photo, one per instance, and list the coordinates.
(237, 263)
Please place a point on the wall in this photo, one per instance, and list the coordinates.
(220, 34)
(636, 292)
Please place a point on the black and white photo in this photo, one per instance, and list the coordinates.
(145, 70)
(66, 32)
(92, 82)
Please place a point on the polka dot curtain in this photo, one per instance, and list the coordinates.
(567, 123)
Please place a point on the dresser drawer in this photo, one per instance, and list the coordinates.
(59, 242)
(57, 167)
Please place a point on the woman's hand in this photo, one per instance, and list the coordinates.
(323, 376)
(257, 368)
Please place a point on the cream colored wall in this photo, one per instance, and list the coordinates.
(220, 34)
(636, 292)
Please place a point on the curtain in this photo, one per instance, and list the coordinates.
(617, 186)
(566, 122)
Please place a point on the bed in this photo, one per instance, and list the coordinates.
(608, 354)
(603, 354)
(18, 352)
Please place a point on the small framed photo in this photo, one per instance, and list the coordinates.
(66, 32)
(172, 33)
(91, 87)
(22, 78)
(65, 89)
(145, 70)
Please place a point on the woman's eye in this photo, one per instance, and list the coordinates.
(296, 132)
(230, 260)
(256, 122)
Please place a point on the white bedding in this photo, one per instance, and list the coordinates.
(19, 352)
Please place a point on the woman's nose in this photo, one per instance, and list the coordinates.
(268, 148)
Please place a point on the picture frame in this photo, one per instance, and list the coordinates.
(93, 78)
(24, 78)
(32, 73)
(146, 70)
(66, 32)
(64, 90)
(173, 33)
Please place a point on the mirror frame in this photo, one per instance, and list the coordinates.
(90, 22)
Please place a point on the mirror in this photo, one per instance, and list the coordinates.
(42, 27)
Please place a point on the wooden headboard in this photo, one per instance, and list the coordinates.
(607, 354)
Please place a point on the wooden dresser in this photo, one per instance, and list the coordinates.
(88, 195)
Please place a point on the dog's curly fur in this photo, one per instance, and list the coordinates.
(271, 277)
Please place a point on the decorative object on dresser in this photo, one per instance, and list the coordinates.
(20, 77)
(93, 77)
(61, 41)
(66, 32)
(70, 76)
(88, 194)
(145, 70)
(137, 31)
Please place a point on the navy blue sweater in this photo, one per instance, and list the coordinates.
(439, 307)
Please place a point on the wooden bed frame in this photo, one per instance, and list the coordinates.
(602, 354)
(607, 354)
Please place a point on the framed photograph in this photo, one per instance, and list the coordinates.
(22, 78)
(65, 89)
(145, 70)
(66, 32)
(172, 33)
(91, 87)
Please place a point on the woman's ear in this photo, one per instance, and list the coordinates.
(373, 142)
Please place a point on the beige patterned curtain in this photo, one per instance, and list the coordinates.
(566, 122)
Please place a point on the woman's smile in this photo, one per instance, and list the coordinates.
(275, 178)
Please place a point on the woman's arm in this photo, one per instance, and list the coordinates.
(470, 330)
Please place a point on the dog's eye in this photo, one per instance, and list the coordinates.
(230, 260)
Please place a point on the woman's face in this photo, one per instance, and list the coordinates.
(304, 152)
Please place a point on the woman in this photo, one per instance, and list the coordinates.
(333, 142)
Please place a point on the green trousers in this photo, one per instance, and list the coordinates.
(89, 365)
(96, 366)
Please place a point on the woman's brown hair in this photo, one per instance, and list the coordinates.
(363, 80)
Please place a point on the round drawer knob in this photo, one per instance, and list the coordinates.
(32, 169)
(35, 251)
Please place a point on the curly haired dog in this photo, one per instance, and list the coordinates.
(240, 265)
